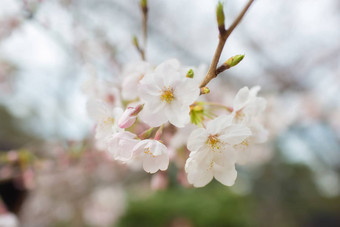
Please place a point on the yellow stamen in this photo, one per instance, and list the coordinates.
(147, 151)
(109, 120)
(239, 115)
(168, 95)
(245, 143)
(214, 143)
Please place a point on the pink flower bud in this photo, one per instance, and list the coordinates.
(129, 116)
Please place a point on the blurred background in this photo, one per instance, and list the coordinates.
(50, 174)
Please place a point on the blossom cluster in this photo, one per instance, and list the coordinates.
(139, 118)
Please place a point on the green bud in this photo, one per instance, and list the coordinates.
(205, 90)
(190, 73)
(144, 3)
(220, 15)
(234, 60)
(135, 41)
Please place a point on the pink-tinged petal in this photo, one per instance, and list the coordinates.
(121, 146)
(225, 174)
(216, 125)
(241, 98)
(235, 134)
(127, 119)
(197, 139)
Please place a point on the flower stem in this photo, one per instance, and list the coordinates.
(224, 35)
(159, 133)
(230, 109)
(144, 8)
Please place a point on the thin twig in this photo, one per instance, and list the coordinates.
(144, 27)
(224, 35)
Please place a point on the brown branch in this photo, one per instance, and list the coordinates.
(224, 35)
(144, 8)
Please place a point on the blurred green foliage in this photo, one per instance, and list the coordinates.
(282, 195)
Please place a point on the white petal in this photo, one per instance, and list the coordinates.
(225, 174)
(235, 134)
(227, 157)
(259, 133)
(139, 147)
(254, 90)
(199, 176)
(98, 109)
(150, 164)
(187, 92)
(255, 107)
(163, 161)
(241, 98)
(218, 124)
(159, 159)
(152, 119)
(103, 131)
(129, 87)
(177, 115)
(121, 146)
(197, 139)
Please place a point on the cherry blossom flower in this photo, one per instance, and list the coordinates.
(247, 104)
(121, 145)
(153, 155)
(202, 167)
(167, 95)
(245, 148)
(106, 118)
(246, 110)
(212, 153)
(133, 73)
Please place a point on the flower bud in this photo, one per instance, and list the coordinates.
(144, 3)
(129, 116)
(190, 73)
(135, 41)
(234, 60)
(220, 17)
(205, 90)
